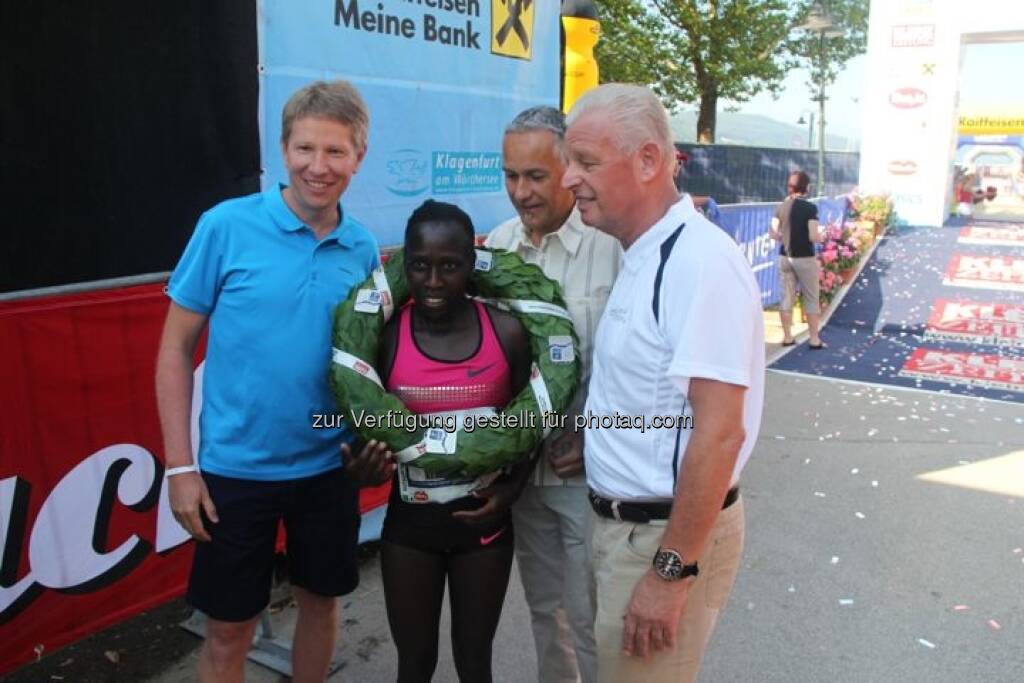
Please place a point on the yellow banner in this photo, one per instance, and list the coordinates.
(991, 124)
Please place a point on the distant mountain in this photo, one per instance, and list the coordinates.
(756, 131)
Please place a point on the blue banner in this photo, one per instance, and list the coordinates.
(832, 211)
(441, 79)
(749, 225)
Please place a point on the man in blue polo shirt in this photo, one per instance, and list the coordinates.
(265, 272)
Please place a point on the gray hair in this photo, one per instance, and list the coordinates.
(539, 118)
(636, 116)
(335, 100)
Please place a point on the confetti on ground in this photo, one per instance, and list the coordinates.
(874, 483)
(872, 432)
(835, 560)
(965, 462)
(960, 608)
(994, 625)
(854, 471)
(780, 437)
(1018, 551)
(807, 461)
(750, 605)
(859, 515)
(928, 644)
(792, 589)
(845, 601)
(819, 494)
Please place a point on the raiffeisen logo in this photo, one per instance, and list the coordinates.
(512, 28)
(908, 98)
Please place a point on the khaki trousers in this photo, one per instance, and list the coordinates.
(551, 524)
(621, 553)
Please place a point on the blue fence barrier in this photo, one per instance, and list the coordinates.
(748, 224)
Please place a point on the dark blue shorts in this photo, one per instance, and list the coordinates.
(231, 575)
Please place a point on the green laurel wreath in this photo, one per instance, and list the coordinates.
(485, 449)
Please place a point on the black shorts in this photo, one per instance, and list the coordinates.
(231, 575)
(431, 528)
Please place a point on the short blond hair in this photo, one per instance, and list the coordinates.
(335, 100)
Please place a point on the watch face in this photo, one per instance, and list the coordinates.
(669, 565)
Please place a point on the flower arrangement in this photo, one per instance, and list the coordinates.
(841, 250)
(876, 208)
(861, 235)
(829, 282)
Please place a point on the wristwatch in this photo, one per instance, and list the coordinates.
(668, 565)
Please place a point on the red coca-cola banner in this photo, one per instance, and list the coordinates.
(86, 530)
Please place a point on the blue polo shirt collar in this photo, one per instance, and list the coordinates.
(285, 218)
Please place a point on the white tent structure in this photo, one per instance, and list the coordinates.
(915, 50)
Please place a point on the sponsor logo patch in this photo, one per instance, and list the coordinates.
(512, 28)
(913, 35)
(908, 98)
(902, 167)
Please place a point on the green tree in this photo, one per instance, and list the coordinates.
(707, 50)
(825, 57)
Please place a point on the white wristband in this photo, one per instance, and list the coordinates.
(180, 470)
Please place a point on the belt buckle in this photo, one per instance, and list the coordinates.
(615, 511)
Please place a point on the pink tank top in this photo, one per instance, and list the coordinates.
(427, 385)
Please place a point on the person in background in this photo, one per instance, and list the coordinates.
(795, 226)
(264, 273)
(681, 338)
(704, 204)
(551, 512)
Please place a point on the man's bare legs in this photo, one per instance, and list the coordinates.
(222, 658)
(314, 636)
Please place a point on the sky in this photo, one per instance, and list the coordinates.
(983, 83)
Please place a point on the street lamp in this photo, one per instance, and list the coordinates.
(810, 126)
(820, 21)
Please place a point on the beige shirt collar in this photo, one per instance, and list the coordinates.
(570, 234)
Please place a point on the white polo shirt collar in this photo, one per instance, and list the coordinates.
(650, 242)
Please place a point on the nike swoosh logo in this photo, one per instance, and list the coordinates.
(474, 373)
(487, 540)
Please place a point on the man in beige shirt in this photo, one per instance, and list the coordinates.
(550, 516)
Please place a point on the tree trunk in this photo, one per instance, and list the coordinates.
(707, 118)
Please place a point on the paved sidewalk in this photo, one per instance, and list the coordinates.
(856, 569)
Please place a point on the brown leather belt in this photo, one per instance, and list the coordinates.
(642, 513)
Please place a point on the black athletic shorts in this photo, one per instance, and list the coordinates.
(231, 575)
(431, 528)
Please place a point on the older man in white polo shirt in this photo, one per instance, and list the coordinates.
(675, 396)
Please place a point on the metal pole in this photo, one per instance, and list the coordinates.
(821, 117)
(810, 132)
